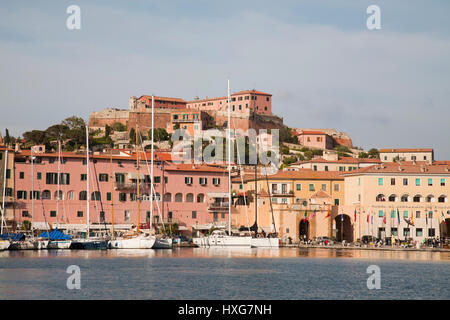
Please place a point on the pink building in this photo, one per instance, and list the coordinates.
(241, 102)
(315, 139)
(189, 192)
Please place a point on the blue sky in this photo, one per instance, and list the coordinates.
(325, 69)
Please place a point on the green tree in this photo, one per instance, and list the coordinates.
(373, 153)
(363, 155)
(117, 126)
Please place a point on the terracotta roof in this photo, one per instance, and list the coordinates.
(343, 160)
(162, 98)
(320, 194)
(301, 174)
(402, 168)
(311, 132)
(192, 167)
(251, 91)
(406, 150)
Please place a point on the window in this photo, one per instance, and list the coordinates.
(418, 214)
(126, 215)
(8, 173)
(108, 196)
(430, 214)
(21, 175)
(311, 187)
(96, 196)
(431, 232)
(169, 216)
(216, 181)
(70, 195)
(35, 195)
(102, 216)
(417, 181)
(200, 197)
(21, 194)
(336, 202)
(9, 192)
(393, 214)
(188, 180)
(419, 232)
(51, 160)
(380, 181)
(82, 195)
(380, 213)
(315, 168)
(404, 198)
(179, 197)
(406, 232)
(122, 196)
(405, 181)
(417, 198)
(394, 231)
(392, 198)
(343, 169)
(430, 182)
(79, 214)
(24, 213)
(203, 181)
(194, 214)
(39, 175)
(299, 187)
(52, 213)
(157, 179)
(392, 181)
(359, 197)
(168, 197)
(442, 182)
(442, 199)
(103, 177)
(324, 187)
(46, 195)
(215, 216)
(405, 214)
(52, 178)
(189, 197)
(359, 181)
(133, 196)
(326, 168)
(59, 195)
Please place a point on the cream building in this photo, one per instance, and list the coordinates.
(390, 155)
(406, 191)
(289, 195)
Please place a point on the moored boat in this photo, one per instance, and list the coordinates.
(136, 242)
(4, 244)
(163, 243)
(265, 242)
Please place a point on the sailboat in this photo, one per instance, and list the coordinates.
(219, 238)
(161, 241)
(138, 240)
(88, 243)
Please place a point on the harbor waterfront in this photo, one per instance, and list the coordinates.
(239, 273)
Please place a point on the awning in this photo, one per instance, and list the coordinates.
(133, 176)
(218, 194)
(108, 226)
(182, 228)
(69, 226)
(40, 225)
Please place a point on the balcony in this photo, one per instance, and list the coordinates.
(131, 185)
(284, 193)
(218, 206)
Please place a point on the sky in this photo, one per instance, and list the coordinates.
(386, 88)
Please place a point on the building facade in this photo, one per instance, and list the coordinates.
(390, 155)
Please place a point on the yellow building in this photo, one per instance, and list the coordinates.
(288, 195)
(416, 193)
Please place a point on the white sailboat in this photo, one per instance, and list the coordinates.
(219, 238)
(134, 241)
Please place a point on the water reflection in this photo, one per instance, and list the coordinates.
(320, 253)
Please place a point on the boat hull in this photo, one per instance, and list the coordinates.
(163, 244)
(84, 244)
(59, 244)
(132, 243)
(4, 244)
(223, 242)
(265, 242)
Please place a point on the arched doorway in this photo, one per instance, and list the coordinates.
(303, 229)
(344, 228)
(445, 228)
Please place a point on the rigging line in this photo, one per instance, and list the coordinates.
(43, 211)
(152, 189)
(95, 198)
(98, 189)
(242, 180)
(270, 201)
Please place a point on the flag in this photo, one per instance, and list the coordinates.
(443, 218)
(328, 214)
(312, 214)
(368, 217)
(384, 217)
(304, 218)
(355, 215)
(342, 216)
(426, 217)
(398, 216)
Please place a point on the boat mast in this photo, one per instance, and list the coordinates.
(112, 193)
(87, 181)
(256, 166)
(59, 173)
(229, 161)
(4, 191)
(32, 192)
(151, 168)
(137, 178)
